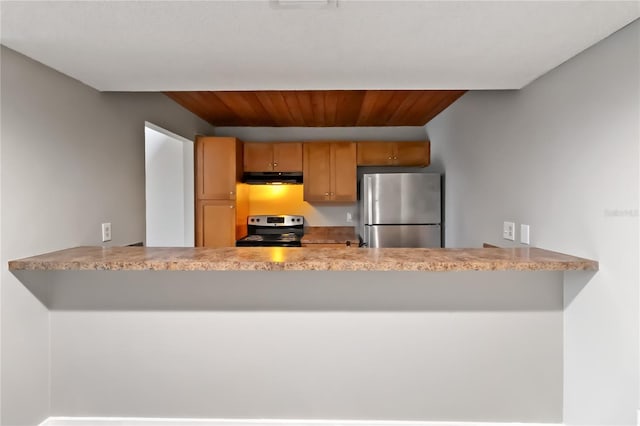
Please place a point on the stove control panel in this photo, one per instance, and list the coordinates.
(275, 220)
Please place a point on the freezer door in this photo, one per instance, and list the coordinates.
(401, 198)
(403, 236)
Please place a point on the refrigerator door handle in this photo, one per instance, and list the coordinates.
(369, 201)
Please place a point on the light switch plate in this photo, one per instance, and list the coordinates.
(106, 232)
(509, 231)
(524, 234)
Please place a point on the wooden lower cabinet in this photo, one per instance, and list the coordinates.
(215, 223)
(219, 223)
(330, 172)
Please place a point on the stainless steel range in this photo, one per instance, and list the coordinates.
(273, 231)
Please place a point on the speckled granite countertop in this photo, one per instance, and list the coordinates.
(303, 259)
(330, 235)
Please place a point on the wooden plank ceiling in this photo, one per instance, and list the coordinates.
(317, 108)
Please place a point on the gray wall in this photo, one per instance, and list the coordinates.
(562, 156)
(474, 346)
(72, 158)
(266, 134)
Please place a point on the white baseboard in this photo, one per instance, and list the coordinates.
(139, 421)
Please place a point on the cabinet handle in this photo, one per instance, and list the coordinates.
(390, 158)
(275, 164)
(230, 207)
(326, 194)
(230, 192)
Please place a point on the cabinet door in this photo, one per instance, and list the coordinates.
(375, 153)
(412, 154)
(317, 171)
(344, 172)
(216, 168)
(258, 157)
(287, 157)
(215, 223)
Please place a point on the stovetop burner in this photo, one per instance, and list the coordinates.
(273, 231)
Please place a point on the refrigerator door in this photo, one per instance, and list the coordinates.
(401, 198)
(403, 236)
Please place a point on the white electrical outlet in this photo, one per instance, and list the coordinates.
(106, 232)
(524, 234)
(509, 231)
(349, 217)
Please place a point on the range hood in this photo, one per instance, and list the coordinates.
(269, 178)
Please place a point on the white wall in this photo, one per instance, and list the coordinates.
(168, 189)
(562, 156)
(290, 200)
(72, 158)
(188, 166)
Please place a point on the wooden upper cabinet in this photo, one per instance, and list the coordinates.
(377, 153)
(344, 172)
(317, 171)
(218, 167)
(330, 172)
(287, 157)
(258, 157)
(412, 154)
(273, 157)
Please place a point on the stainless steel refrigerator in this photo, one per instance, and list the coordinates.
(400, 210)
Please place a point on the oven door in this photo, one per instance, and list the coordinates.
(265, 241)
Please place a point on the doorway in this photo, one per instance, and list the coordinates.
(169, 189)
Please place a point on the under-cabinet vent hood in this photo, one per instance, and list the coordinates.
(270, 178)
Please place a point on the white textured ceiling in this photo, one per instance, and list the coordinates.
(253, 45)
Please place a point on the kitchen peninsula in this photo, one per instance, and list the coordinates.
(362, 319)
(302, 259)
(257, 278)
